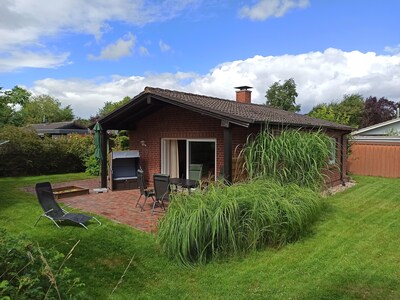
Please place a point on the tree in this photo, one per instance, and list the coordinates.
(283, 95)
(10, 102)
(347, 112)
(353, 106)
(377, 111)
(44, 108)
(329, 112)
(111, 106)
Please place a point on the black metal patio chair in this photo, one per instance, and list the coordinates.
(53, 211)
(161, 189)
(144, 190)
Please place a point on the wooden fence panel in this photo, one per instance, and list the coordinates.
(375, 160)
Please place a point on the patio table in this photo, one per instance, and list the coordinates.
(184, 183)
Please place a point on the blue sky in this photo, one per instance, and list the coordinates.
(87, 52)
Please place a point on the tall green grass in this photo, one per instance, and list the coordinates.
(276, 206)
(294, 156)
(229, 220)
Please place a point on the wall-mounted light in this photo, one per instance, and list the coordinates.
(143, 143)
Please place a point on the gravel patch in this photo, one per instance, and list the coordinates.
(339, 188)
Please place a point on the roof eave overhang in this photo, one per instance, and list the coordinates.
(376, 139)
(375, 126)
(136, 102)
(117, 113)
(311, 126)
(147, 97)
(221, 116)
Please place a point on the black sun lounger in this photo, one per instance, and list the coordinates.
(53, 211)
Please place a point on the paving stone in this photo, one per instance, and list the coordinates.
(118, 206)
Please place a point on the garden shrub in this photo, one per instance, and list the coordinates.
(294, 156)
(119, 141)
(31, 272)
(92, 165)
(20, 154)
(226, 220)
(28, 154)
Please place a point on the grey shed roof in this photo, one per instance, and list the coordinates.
(58, 125)
(240, 113)
(57, 128)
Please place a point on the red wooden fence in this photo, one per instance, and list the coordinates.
(375, 160)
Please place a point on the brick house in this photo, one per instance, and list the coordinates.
(172, 129)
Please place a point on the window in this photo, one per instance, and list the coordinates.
(178, 155)
(333, 149)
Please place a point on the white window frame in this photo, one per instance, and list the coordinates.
(333, 151)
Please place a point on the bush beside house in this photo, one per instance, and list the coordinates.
(28, 154)
(275, 207)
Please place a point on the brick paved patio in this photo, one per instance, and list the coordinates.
(117, 205)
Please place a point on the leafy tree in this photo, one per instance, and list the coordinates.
(377, 111)
(329, 112)
(283, 95)
(353, 106)
(111, 106)
(45, 108)
(10, 101)
(348, 112)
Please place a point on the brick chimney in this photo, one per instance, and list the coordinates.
(243, 94)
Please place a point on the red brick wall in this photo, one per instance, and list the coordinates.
(243, 96)
(177, 123)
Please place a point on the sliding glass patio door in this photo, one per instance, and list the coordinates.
(178, 155)
(201, 152)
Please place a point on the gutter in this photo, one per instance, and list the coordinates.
(376, 138)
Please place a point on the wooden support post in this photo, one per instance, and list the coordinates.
(104, 154)
(228, 154)
(343, 159)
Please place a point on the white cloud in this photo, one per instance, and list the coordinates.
(265, 9)
(164, 47)
(114, 51)
(24, 24)
(28, 59)
(320, 77)
(143, 51)
(87, 96)
(393, 50)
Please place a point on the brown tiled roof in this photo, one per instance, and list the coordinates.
(241, 112)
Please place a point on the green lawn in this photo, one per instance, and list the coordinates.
(352, 253)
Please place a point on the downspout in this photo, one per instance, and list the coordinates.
(342, 179)
(228, 154)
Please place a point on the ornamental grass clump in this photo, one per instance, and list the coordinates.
(228, 220)
(294, 156)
